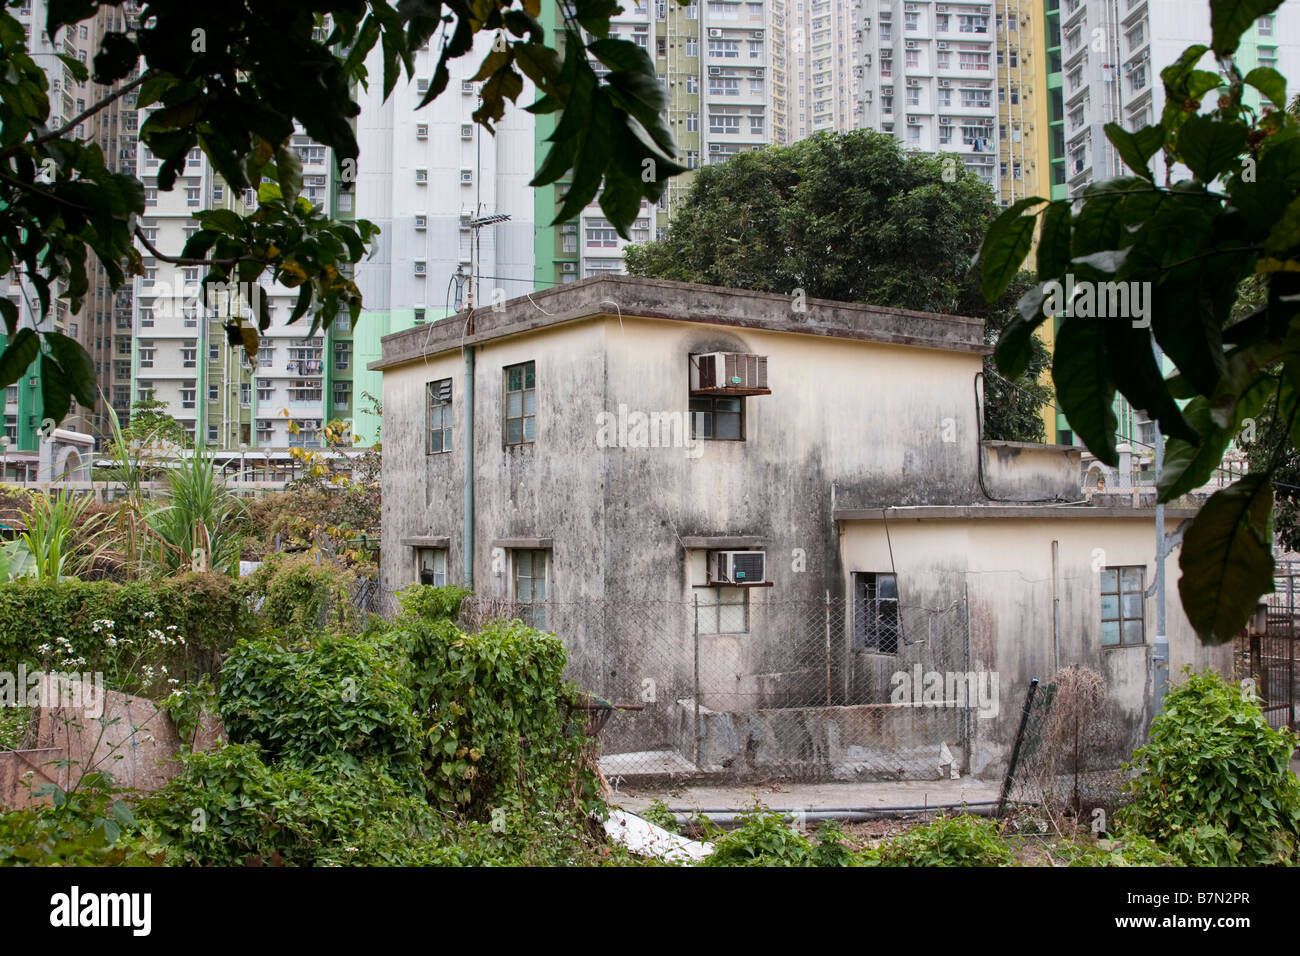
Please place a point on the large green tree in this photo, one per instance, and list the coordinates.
(1226, 208)
(856, 218)
(232, 78)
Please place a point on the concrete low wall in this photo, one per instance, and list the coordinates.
(1022, 471)
(863, 742)
(134, 739)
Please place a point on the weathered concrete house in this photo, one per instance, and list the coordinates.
(751, 519)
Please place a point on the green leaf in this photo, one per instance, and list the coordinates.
(1229, 19)
(289, 170)
(1054, 241)
(1209, 146)
(1269, 82)
(268, 193)
(18, 356)
(1083, 387)
(1227, 559)
(77, 365)
(56, 396)
(1005, 246)
(1136, 149)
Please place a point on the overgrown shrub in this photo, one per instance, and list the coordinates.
(232, 807)
(1128, 850)
(341, 700)
(61, 625)
(1212, 761)
(962, 840)
(299, 597)
(493, 708)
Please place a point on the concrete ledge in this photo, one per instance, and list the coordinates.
(723, 542)
(962, 512)
(532, 544)
(425, 541)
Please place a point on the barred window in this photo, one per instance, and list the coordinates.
(439, 416)
(877, 625)
(1122, 601)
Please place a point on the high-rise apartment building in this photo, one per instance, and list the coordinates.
(713, 59)
(814, 84)
(426, 177)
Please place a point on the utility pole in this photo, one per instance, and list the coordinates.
(475, 225)
(1160, 647)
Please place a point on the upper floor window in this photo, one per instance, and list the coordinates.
(877, 625)
(521, 403)
(439, 416)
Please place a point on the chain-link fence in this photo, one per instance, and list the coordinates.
(1065, 761)
(741, 687)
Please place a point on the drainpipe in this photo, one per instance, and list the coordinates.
(468, 546)
(1056, 603)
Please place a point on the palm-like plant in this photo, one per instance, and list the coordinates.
(202, 524)
(62, 538)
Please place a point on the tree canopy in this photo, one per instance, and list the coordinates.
(856, 218)
(235, 78)
(1228, 209)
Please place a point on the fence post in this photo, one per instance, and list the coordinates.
(696, 696)
(1015, 751)
(828, 648)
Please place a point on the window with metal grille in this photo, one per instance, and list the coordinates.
(877, 625)
(718, 419)
(439, 416)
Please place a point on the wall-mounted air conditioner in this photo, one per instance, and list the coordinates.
(568, 267)
(729, 373)
(912, 44)
(737, 568)
(756, 35)
(715, 71)
(715, 34)
(943, 46)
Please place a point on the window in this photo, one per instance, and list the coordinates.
(421, 130)
(528, 580)
(722, 86)
(214, 351)
(342, 394)
(265, 392)
(421, 177)
(718, 419)
(432, 566)
(601, 234)
(189, 353)
(692, 83)
(724, 48)
(439, 416)
(722, 123)
(521, 403)
(1265, 24)
(187, 394)
(143, 391)
(877, 625)
(245, 394)
(214, 393)
(304, 391)
(146, 350)
(721, 610)
(692, 46)
(342, 355)
(692, 122)
(192, 196)
(1122, 605)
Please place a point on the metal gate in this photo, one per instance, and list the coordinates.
(1276, 656)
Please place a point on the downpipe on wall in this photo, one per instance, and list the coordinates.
(468, 524)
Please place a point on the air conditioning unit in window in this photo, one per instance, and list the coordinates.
(568, 267)
(943, 46)
(715, 34)
(945, 84)
(715, 71)
(421, 222)
(913, 120)
(757, 35)
(737, 568)
(729, 373)
(912, 44)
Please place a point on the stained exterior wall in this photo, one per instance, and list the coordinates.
(851, 423)
(1003, 571)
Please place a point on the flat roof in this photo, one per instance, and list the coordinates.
(1006, 511)
(623, 296)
